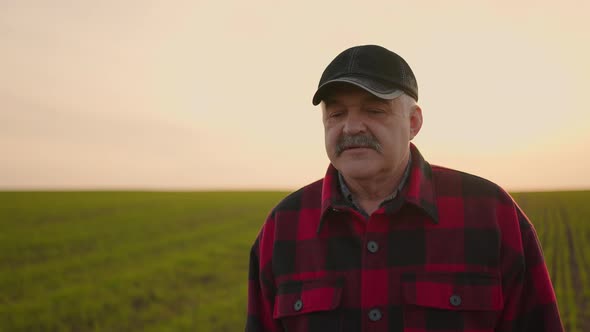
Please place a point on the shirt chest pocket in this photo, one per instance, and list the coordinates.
(309, 305)
(451, 301)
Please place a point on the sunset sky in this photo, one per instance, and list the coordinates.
(217, 95)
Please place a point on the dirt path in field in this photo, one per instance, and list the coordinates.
(581, 302)
(543, 223)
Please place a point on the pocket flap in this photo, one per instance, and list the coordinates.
(453, 290)
(300, 297)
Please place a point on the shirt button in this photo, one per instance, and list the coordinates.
(375, 315)
(298, 305)
(372, 246)
(455, 300)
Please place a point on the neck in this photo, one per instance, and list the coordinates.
(370, 192)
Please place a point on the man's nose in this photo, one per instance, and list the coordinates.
(354, 124)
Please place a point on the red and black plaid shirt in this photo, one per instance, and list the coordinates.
(452, 252)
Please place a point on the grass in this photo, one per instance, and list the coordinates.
(116, 261)
(561, 221)
(171, 261)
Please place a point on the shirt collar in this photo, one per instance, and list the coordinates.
(417, 189)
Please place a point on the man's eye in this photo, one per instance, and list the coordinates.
(375, 111)
(335, 114)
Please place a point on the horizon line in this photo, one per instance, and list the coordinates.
(223, 189)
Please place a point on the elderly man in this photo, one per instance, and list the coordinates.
(386, 241)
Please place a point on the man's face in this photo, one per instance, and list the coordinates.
(367, 137)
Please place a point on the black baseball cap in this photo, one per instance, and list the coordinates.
(373, 68)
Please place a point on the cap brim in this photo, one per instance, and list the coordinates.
(376, 88)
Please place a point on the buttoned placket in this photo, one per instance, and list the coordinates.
(373, 298)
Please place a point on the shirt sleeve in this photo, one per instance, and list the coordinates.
(529, 299)
(260, 296)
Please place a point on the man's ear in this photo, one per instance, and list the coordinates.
(415, 121)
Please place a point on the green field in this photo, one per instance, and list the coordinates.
(166, 261)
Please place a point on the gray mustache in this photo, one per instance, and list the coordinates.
(363, 141)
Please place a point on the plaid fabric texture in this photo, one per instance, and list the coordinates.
(452, 252)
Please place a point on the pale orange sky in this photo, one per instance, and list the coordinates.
(217, 95)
